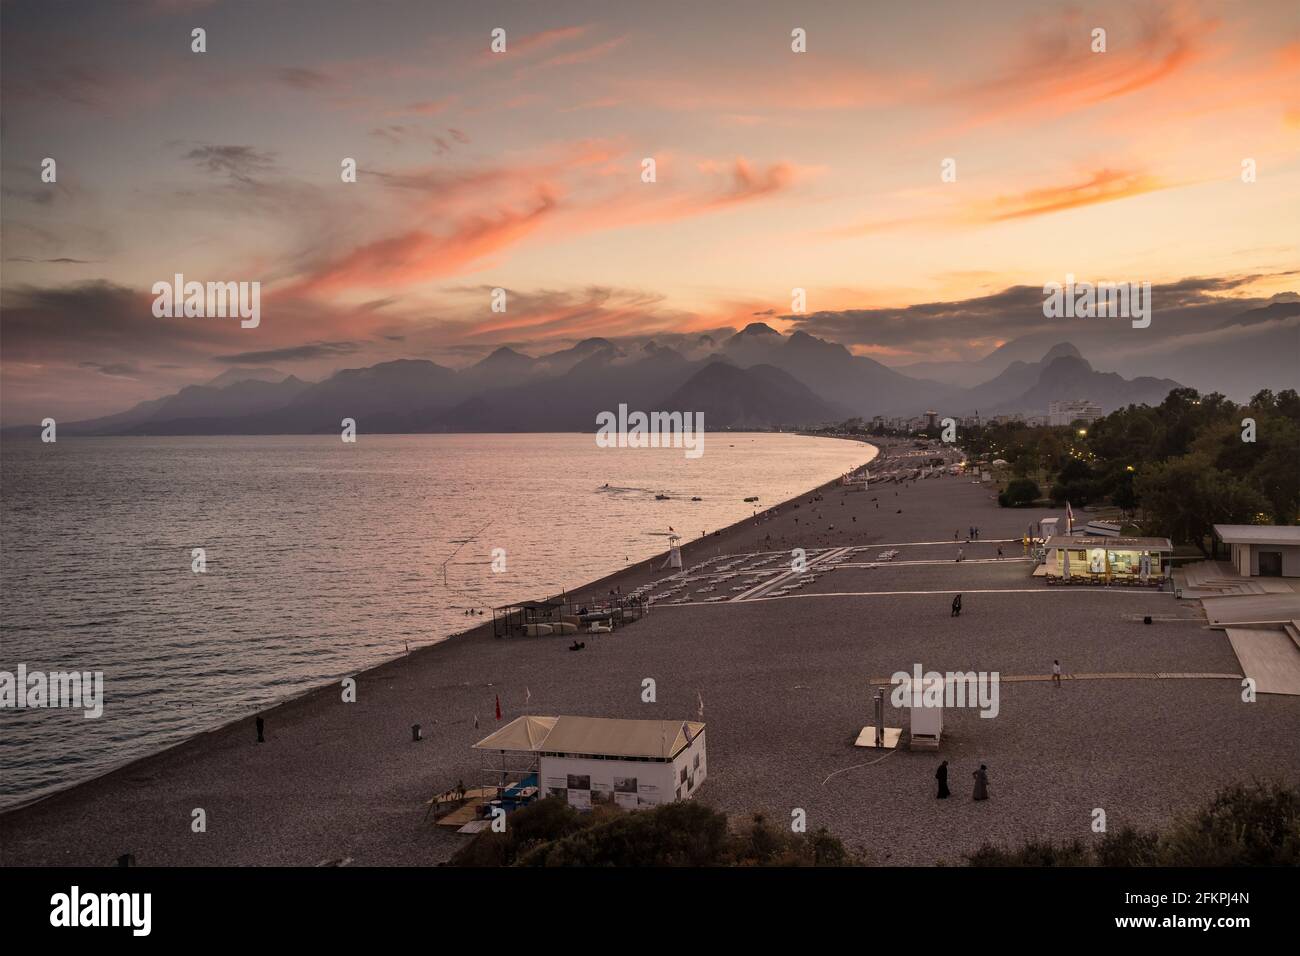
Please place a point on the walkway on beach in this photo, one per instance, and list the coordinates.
(1021, 678)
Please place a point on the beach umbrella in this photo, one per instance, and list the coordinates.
(1065, 572)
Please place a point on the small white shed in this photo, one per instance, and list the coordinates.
(590, 760)
(923, 699)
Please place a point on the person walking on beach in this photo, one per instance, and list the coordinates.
(955, 535)
(956, 606)
(261, 726)
(941, 775)
(999, 552)
(1056, 673)
(960, 554)
(981, 783)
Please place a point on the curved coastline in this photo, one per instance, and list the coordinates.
(191, 745)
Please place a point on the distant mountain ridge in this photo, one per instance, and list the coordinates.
(756, 378)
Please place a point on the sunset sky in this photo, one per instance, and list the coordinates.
(522, 170)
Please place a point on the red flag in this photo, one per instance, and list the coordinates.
(498, 706)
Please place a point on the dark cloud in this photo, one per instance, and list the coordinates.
(301, 78)
(62, 260)
(240, 163)
(1188, 306)
(295, 353)
(124, 369)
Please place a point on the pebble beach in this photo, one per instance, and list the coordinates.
(785, 684)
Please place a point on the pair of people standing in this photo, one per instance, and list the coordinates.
(981, 776)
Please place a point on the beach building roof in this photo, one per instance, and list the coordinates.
(521, 734)
(596, 736)
(1258, 533)
(1084, 541)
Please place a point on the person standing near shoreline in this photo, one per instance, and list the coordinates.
(981, 783)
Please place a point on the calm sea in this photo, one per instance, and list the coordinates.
(322, 558)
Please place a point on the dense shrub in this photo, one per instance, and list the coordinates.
(685, 833)
(1032, 853)
(1256, 825)
(1242, 826)
(1020, 492)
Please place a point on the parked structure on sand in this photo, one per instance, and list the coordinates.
(590, 760)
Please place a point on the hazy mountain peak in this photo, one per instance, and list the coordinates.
(1060, 349)
(758, 328)
(501, 356)
(246, 374)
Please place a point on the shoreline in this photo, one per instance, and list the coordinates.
(288, 705)
(783, 685)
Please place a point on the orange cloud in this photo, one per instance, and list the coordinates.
(1057, 71)
(1102, 186)
(417, 255)
(589, 169)
(1106, 185)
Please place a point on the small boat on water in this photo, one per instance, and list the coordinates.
(697, 498)
(661, 498)
(752, 498)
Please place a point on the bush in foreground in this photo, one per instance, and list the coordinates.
(685, 833)
(1256, 825)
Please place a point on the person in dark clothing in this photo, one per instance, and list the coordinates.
(956, 606)
(261, 726)
(941, 775)
(981, 783)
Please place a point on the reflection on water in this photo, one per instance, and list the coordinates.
(322, 558)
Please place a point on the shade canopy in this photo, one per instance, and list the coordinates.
(523, 734)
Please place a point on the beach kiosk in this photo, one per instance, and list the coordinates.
(1092, 559)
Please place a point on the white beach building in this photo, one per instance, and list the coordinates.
(1262, 550)
(588, 760)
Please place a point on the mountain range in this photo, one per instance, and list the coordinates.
(758, 377)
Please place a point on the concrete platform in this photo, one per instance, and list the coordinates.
(868, 738)
(1251, 609)
(1269, 656)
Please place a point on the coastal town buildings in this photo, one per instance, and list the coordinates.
(1073, 410)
